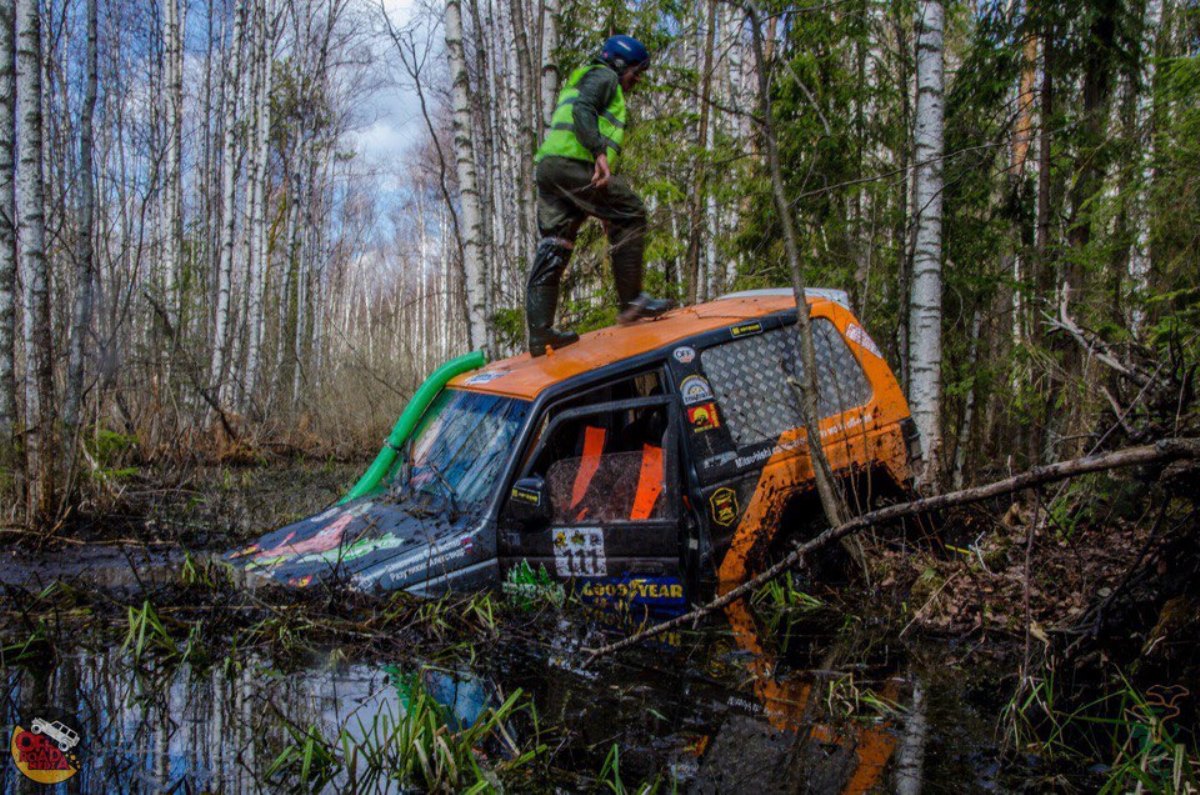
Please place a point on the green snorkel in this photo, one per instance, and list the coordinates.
(404, 426)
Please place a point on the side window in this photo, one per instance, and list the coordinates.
(750, 379)
(641, 385)
(608, 467)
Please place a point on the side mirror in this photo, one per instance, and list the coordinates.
(529, 504)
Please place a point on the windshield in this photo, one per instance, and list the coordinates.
(461, 444)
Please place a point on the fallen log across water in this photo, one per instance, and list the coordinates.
(1161, 452)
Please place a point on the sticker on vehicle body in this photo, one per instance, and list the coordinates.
(524, 585)
(684, 355)
(695, 389)
(720, 459)
(858, 335)
(483, 378)
(579, 552)
(527, 496)
(703, 417)
(724, 505)
(366, 546)
(428, 561)
(745, 329)
(633, 590)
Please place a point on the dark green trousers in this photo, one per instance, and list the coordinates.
(566, 198)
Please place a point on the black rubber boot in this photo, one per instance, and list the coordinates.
(627, 265)
(642, 307)
(541, 298)
(540, 304)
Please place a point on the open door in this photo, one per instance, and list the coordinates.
(605, 479)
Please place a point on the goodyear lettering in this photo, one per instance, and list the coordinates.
(659, 595)
(633, 589)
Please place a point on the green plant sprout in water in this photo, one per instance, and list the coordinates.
(425, 745)
(1136, 730)
(610, 778)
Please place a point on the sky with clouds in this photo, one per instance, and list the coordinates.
(392, 122)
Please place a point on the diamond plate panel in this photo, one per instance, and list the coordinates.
(749, 378)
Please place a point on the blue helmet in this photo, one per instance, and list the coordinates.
(624, 52)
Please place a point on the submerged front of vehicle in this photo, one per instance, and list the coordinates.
(428, 527)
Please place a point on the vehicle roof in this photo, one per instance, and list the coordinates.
(526, 377)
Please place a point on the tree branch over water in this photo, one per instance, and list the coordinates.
(1162, 452)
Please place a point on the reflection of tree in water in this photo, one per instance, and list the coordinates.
(152, 729)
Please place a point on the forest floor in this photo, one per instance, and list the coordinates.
(990, 644)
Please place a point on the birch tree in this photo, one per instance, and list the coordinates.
(695, 278)
(8, 245)
(473, 275)
(229, 166)
(925, 298)
(81, 315)
(31, 220)
(550, 74)
(260, 179)
(172, 208)
(1139, 255)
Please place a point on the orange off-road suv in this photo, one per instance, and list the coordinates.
(643, 464)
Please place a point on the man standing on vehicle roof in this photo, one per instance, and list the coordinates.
(575, 180)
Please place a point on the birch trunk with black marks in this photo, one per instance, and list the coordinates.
(81, 315)
(31, 222)
(1139, 254)
(256, 318)
(550, 74)
(925, 299)
(229, 167)
(8, 247)
(474, 283)
(696, 278)
(172, 196)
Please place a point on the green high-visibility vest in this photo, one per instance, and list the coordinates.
(561, 140)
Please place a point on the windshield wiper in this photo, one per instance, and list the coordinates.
(404, 473)
(451, 492)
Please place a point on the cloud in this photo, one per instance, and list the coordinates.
(387, 138)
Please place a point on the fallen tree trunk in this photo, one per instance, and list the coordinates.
(1161, 452)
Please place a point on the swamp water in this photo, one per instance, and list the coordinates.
(764, 698)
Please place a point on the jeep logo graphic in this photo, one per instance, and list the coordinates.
(47, 751)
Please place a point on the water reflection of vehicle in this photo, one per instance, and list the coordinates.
(852, 756)
(654, 459)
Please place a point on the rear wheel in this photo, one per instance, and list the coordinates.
(802, 521)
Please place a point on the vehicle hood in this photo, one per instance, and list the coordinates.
(371, 544)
